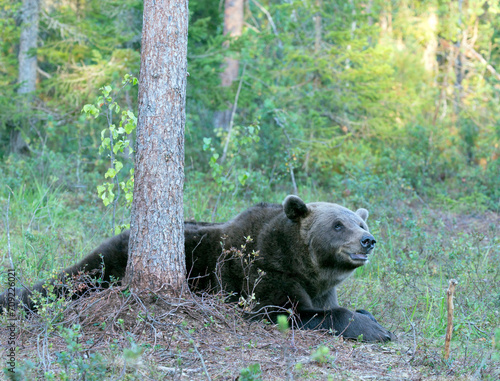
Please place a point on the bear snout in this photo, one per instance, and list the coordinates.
(367, 242)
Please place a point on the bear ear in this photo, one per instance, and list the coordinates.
(363, 213)
(294, 207)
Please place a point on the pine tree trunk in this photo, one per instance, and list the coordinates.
(27, 46)
(233, 26)
(156, 249)
(27, 71)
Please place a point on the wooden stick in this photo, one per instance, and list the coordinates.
(449, 328)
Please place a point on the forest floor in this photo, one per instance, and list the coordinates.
(200, 338)
(115, 335)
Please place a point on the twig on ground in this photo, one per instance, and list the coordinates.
(414, 340)
(195, 347)
(449, 328)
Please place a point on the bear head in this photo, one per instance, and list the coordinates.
(337, 237)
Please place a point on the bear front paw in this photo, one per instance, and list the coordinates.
(365, 324)
(378, 333)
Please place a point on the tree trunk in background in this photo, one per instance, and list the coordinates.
(458, 65)
(156, 249)
(317, 77)
(27, 71)
(429, 57)
(233, 26)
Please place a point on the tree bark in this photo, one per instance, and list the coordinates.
(458, 65)
(27, 70)
(156, 248)
(27, 46)
(233, 26)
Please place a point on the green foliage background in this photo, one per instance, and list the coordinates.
(372, 91)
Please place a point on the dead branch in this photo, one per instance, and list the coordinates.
(481, 59)
(288, 150)
(449, 328)
(269, 17)
(224, 152)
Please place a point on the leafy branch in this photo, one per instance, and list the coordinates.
(114, 140)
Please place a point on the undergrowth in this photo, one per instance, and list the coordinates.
(50, 220)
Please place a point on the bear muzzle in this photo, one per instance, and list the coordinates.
(367, 244)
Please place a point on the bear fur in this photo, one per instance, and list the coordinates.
(299, 254)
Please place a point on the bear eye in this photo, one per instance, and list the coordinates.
(338, 226)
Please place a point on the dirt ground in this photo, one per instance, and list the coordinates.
(202, 338)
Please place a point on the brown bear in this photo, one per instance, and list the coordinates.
(299, 254)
